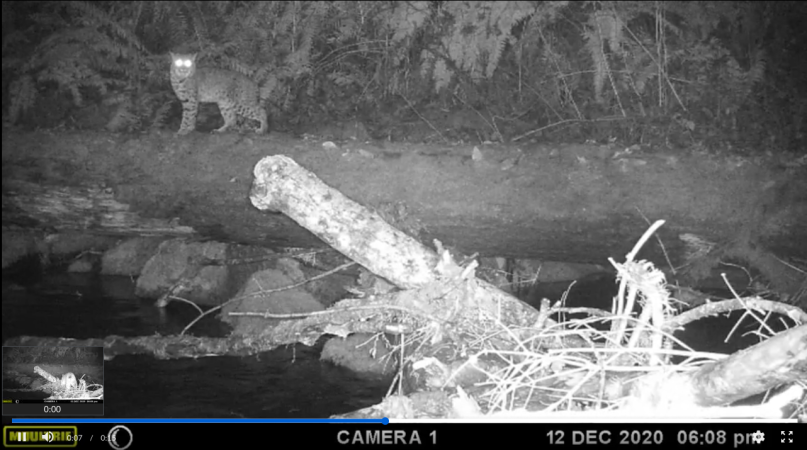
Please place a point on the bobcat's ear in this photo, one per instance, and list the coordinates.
(193, 57)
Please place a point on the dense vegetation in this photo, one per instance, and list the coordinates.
(716, 74)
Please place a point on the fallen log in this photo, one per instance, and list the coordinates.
(780, 359)
(283, 186)
(444, 306)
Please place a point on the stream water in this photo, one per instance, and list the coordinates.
(725, 333)
(289, 382)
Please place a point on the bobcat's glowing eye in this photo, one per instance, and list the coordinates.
(183, 63)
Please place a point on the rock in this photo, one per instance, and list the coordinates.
(178, 260)
(361, 353)
(129, 257)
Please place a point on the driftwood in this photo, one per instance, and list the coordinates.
(44, 374)
(283, 186)
(442, 303)
(781, 359)
(67, 387)
(563, 202)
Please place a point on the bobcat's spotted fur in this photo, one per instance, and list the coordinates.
(235, 94)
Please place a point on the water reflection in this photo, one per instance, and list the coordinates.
(289, 382)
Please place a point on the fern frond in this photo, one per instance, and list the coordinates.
(24, 95)
(101, 18)
(284, 24)
(161, 116)
(124, 119)
(504, 16)
(407, 18)
(480, 32)
(311, 28)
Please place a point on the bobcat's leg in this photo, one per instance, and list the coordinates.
(189, 110)
(263, 120)
(229, 115)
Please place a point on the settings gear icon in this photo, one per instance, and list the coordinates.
(758, 437)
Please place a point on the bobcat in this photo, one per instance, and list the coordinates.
(235, 94)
